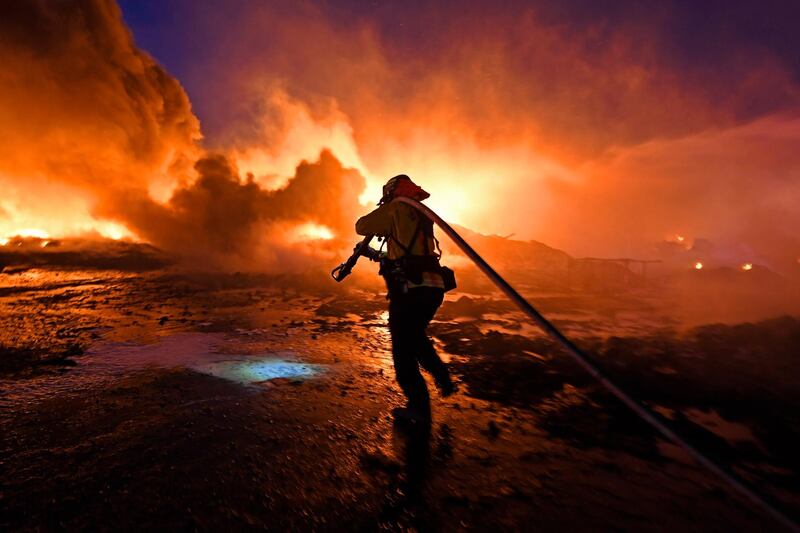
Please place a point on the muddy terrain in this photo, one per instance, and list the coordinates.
(137, 400)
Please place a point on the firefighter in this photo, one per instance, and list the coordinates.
(416, 289)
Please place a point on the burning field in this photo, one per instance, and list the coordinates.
(175, 355)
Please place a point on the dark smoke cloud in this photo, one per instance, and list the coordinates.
(226, 222)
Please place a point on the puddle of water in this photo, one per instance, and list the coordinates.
(256, 369)
(200, 352)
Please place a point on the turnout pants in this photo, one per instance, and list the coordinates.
(409, 316)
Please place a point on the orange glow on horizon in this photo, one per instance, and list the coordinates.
(32, 232)
(747, 266)
(105, 229)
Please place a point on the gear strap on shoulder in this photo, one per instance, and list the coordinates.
(402, 246)
(437, 251)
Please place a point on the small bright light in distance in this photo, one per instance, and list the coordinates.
(698, 266)
(747, 266)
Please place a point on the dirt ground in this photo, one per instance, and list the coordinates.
(138, 401)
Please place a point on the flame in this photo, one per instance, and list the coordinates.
(113, 231)
(678, 239)
(32, 232)
(109, 230)
(55, 211)
(698, 265)
(312, 232)
(747, 266)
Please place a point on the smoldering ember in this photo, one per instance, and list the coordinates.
(340, 265)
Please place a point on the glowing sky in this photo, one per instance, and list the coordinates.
(599, 127)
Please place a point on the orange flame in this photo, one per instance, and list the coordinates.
(312, 232)
(698, 265)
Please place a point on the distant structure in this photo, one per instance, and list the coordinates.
(536, 266)
(604, 273)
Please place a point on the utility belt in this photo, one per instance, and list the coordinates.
(398, 273)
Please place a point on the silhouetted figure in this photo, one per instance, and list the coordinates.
(410, 267)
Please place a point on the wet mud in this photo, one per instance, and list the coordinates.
(158, 400)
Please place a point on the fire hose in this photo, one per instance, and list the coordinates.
(588, 364)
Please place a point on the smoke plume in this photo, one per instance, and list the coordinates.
(85, 115)
(96, 136)
(596, 128)
(223, 221)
